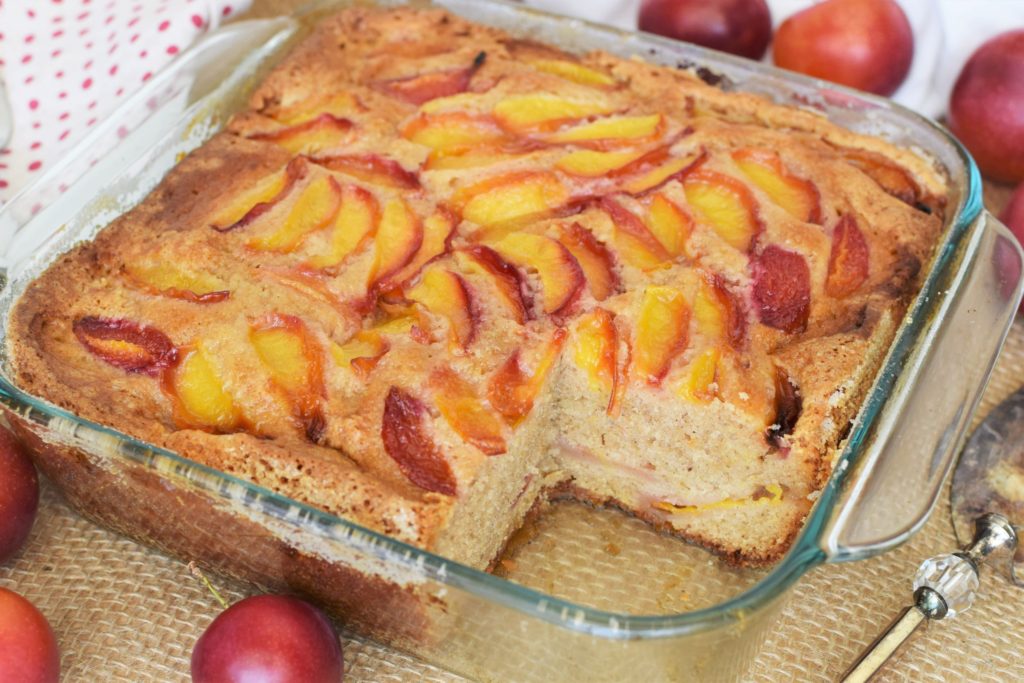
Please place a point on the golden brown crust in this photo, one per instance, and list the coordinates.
(337, 459)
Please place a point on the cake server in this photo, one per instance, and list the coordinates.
(988, 494)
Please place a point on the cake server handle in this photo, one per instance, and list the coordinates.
(944, 586)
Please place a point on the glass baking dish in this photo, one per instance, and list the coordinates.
(583, 594)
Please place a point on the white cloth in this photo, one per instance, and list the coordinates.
(67, 64)
(946, 33)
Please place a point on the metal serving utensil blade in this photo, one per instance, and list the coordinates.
(988, 495)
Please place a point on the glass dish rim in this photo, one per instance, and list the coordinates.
(805, 552)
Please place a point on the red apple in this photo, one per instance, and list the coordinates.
(19, 495)
(865, 44)
(986, 109)
(28, 650)
(742, 27)
(268, 639)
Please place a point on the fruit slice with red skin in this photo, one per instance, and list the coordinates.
(611, 131)
(126, 344)
(782, 288)
(718, 313)
(19, 496)
(171, 280)
(661, 334)
(505, 276)
(633, 240)
(399, 237)
(542, 111)
(595, 350)
(294, 360)
(594, 257)
(452, 132)
(573, 71)
(512, 390)
(354, 226)
(893, 179)
(446, 294)
(316, 135)
(511, 196)
(429, 86)
(669, 224)
(247, 206)
(674, 167)
(588, 163)
(28, 648)
(337, 104)
(200, 399)
(361, 353)
(438, 231)
(725, 204)
(460, 406)
(849, 260)
(408, 441)
(371, 168)
(315, 208)
(560, 274)
(799, 197)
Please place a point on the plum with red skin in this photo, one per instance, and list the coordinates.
(268, 639)
(28, 648)
(19, 495)
(740, 27)
(863, 44)
(986, 109)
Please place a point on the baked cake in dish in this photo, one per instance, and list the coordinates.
(435, 275)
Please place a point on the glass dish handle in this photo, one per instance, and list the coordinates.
(130, 139)
(895, 482)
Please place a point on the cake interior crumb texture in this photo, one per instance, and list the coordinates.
(434, 273)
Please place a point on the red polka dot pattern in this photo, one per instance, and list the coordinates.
(68, 64)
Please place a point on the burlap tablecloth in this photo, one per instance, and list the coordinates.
(123, 612)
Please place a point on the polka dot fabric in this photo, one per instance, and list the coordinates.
(66, 64)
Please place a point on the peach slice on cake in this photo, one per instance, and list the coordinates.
(611, 131)
(561, 277)
(126, 344)
(595, 350)
(399, 237)
(458, 403)
(445, 294)
(594, 257)
(848, 260)
(354, 226)
(782, 288)
(324, 132)
(421, 88)
(408, 441)
(438, 231)
(315, 208)
(371, 168)
(201, 399)
(725, 204)
(673, 167)
(699, 383)
(244, 208)
(472, 158)
(452, 132)
(573, 71)
(361, 353)
(588, 163)
(175, 281)
(717, 312)
(544, 111)
(293, 359)
(799, 197)
(892, 178)
(661, 334)
(511, 196)
(512, 390)
(669, 224)
(337, 104)
(506, 278)
(633, 239)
